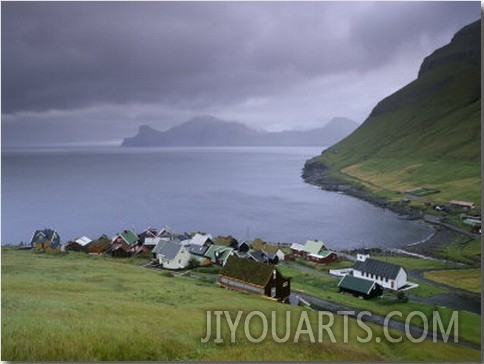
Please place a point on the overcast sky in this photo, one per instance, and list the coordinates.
(94, 71)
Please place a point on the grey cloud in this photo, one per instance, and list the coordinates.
(199, 56)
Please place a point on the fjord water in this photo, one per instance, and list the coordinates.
(245, 192)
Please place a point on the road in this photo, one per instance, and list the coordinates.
(412, 330)
(459, 299)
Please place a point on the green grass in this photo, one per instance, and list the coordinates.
(79, 308)
(469, 279)
(426, 134)
(462, 250)
(325, 287)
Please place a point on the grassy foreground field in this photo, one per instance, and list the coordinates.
(80, 308)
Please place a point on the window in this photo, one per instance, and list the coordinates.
(285, 284)
(273, 292)
(274, 274)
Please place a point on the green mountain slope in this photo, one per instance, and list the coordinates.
(427, 134)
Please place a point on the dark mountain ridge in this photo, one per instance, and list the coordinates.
(425, 134)
(211, 131)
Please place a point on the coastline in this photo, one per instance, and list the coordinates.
(316, 174)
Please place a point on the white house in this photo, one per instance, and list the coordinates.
(388, 275)
(280, 254)
(171, 255)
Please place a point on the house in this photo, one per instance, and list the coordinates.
(262, 257)
(280, 255)
(257, 255)
(218, 254)
(462, 204)
(148, 233)
(166, 232)
(360, 287)
(323, 257)
(198, 252)
(158, 247)
(78, 245)
(151, 242)
(314, 251)
(296, 249)
(252, 277)
(123, 245)
(242, 247)
(98, 246)
(140, 250)
(272, 258)
(119, 250)
(127, 236)
(200, 239)
(172, 255)
(388, 275)
(313, 247)
(46, 239)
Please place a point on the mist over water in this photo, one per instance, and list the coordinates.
(245, 192)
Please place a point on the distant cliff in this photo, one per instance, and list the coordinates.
(427, 134)
(210, 131)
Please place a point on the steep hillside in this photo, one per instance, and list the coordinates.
(427, 134)
(210, 131)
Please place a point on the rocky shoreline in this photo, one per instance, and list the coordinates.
(315, 173)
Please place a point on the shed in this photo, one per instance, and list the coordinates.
(463, 204)
(252, 277)
(360, 287)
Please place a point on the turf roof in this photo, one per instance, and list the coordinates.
(248, 270)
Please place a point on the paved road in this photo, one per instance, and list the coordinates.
(412, 330)
(418, 275)
(458, 299)
(432, 219)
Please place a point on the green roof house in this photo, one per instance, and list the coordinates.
(127, 237)
(314, 251)
(360, 287)
(218, 254)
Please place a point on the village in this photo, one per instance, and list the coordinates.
(247, 267)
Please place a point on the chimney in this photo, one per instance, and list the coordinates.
(362, 257)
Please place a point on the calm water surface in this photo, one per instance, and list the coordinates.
(246, 192)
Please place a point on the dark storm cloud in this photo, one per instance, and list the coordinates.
(208, 56)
